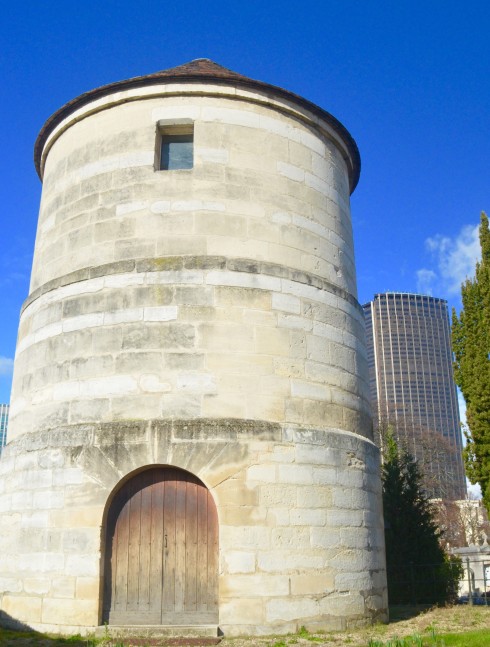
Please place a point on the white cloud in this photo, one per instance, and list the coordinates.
(6, 365)
(425, 281)
(455, 260)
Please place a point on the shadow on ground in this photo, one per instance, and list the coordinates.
(407, 611)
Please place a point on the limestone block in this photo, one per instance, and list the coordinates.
(312, 584)
(246, 537)
(353, 581)
(307, 517)
(27, 608)
(291, 608)
(48, 500)
(80, 540)
(12, 585)
(87, 588)
(36, 519)
(239, 561)
(242, 612)
(277, 495)
(261, 474)
(60, 611)
(337, 518)
(36, 585)
(233, 406)
(41, 562)
(318, 496)
(82, 565)
(294, 538)
(255, 585)
(300, 474)
(324, 537)
(80, 517)
(348, 604)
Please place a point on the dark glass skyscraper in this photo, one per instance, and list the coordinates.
(412, 385)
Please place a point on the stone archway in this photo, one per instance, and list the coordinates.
(161, 552)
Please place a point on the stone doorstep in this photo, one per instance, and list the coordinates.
(160, 631)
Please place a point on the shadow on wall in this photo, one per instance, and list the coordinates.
(14, 632)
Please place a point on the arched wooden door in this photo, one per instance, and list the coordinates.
(161, 556)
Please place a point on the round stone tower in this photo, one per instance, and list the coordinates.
(190, 437)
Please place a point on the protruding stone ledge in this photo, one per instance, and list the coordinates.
(196, 429)
(180, 263)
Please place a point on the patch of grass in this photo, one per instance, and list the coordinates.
(479, 638)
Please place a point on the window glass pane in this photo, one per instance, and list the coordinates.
(177, 152)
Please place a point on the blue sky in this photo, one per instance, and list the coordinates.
(409, 79)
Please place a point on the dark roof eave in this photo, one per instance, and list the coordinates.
(141, 81)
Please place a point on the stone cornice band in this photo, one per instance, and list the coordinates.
(180, 263)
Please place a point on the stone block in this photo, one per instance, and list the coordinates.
(261, 474)
(297, 608)
(307, 517)
(312, 583)
(237, 561)
(12, 585)
(343, 518)
(41, 562)
(63, 587)
(23, 608)
(297, 474)
(286, 303)
(60, 611)
(48, 500)
(80, 565)
(324, 537)
(348, 604)
(244, 537)
(242, 612)
(36, 585)
(291, 538)
(87, 588)
(257, 585)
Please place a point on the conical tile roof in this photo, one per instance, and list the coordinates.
(199, 70)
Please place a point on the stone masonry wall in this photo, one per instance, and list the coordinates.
(204, 319)
(301, 541)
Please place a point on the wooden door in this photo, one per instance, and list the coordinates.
(161, 557)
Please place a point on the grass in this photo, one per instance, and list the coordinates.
(468, 639)
(450, 627)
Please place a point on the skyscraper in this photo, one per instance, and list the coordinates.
(412, 386)
(4, 418)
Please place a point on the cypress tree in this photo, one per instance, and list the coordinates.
(418, 570)
(471, 347)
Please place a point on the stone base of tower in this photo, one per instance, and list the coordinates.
(298, 523)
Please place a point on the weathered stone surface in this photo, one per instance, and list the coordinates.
(205, 320)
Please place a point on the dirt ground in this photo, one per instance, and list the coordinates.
(452, 619)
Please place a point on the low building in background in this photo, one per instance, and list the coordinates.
(412, 385)
(4, 418)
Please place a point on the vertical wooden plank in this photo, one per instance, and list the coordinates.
(213, 553)
(134, 550)
(157, 545)
(169, 544)
(146, 482)
(191, 565)
(202, 549)
(180, 539)
(120, 556)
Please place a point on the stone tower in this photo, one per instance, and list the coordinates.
(190, 437)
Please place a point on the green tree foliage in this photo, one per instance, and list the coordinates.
(471, 347)
(418, 569)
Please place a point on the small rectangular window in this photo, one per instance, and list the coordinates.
(175, 146)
